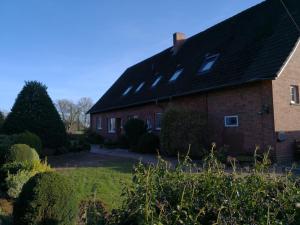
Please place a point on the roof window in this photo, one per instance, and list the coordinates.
(208, 63)
(156, 81)
(176, 75)
(139, 87)
(127, 90)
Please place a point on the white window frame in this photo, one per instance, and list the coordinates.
(232, 116)
(111, 126)
(99, 123)
(156, 115)
(294, 93)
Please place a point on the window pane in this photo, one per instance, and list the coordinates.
(156, 81)
(158, 121)
(208, 63)
(231, 121)
(176, 75)
(140, 87)
(127, 91)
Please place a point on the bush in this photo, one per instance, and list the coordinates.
(6, 142)
(134, 129)
(182, 131)
(30, 139)
(92, 212)
(2, 119)
(163, 195)
(94, 138)
(34, 111)
(148, 143)
(22, 153)
(47, 198)
(16, 174)
(78, 143)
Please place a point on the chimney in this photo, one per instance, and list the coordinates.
(178, 40)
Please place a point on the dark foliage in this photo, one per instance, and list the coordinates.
(34, 111)
(78, 142)
(21, 153)
(92, 212)
(183, 130)
(134, 129)
(148, 143)
(46, 199)
(30, 139)
(6, 141)
(2, 119)
(93, 137)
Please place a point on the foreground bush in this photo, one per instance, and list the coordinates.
(34, 111)
(30, 139)
(22, 153)
(16, 174)
(162, 195)
(134, 129)
(148, 143)
(182, 128)
(92, 212)
(46, 198)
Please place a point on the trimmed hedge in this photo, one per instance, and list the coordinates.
(30, 139)
(148, 143)
(183, 130)
(22, 153)
(47, 198)
(134, 129)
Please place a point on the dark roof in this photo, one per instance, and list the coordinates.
(253, 45)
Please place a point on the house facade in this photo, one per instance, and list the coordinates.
(243, 73)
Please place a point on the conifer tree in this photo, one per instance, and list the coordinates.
(34, 111)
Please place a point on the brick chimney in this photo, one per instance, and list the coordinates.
(178, 40)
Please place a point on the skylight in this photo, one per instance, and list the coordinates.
(208, 63)
(176, 75)
(127, 90)
(156, 81)
(139, 87)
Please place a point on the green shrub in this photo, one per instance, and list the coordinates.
(183, 130)
(34, 111)
(2, 119)
(22, 153)
(162, 194)
(47, 198)
(78, 143)
(148, 143)
(92, 212)
(16, 174)
(6, 142)
(15, 182)
(94, 138)
(30, 139)
(134, 129)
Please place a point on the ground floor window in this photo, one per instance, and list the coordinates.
(149, 124)
(158, 117)
(111, 125)
(231, 121)
(99, 123)
(294, 94)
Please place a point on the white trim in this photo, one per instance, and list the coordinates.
(289, 59)
(233, 116)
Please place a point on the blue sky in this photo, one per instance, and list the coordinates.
(78, 48)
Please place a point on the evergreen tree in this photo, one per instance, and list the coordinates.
(34, 111)
(1, 120)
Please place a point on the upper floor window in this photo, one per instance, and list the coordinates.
(127, 90)
(158, 117)
(139, 87)
(156, 81)
(294, 89)
(176, 75)
(231, 121)
(99, 123)
(208, 63)
(112, 125)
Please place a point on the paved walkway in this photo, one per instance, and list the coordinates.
(124, 153)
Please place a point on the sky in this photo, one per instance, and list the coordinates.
(78, 48)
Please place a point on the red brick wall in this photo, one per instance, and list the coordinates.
(287, 116)
(245, 101)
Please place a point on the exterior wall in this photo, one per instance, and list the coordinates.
(287, 115)
(250, 102)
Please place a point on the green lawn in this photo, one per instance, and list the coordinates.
(106, 182)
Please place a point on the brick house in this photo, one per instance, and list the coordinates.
(244, 73)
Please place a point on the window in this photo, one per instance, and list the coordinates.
(127, 91)
(294, 94)
(139, 87)
(158, 121)
(156, 81)
(99, 123)
(231, 121)
(208, 63)
(112, 125)
(149, 124)
(176, 75)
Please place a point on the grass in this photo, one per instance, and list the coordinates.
(105, 182)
